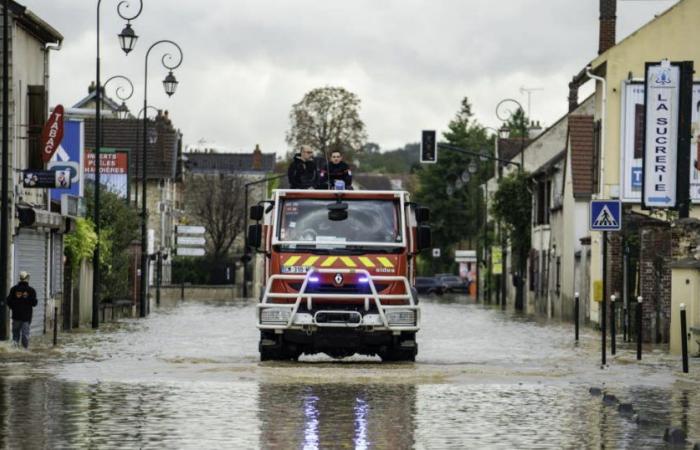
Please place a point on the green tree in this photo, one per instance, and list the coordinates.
(328, 119)
(452, 192)
(119, 227)
(512, 205)
(518, 124)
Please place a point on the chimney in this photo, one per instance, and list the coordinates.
(573, 95)
(608, 10)
(257, 158)
(91, 88)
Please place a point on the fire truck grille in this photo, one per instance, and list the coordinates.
(345, 289)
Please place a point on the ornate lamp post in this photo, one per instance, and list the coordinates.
(122, 110)
(504, 114)
(138, 138)
(127, 40)
(170, 85)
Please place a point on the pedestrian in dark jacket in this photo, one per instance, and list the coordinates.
(303, 172)
(338, 170)
(21, 301)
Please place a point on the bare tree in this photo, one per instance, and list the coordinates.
(216, 201)
(328, 119)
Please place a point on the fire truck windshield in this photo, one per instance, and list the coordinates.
(304, 223)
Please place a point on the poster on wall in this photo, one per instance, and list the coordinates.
(114, 170)
(69, 157)
(632, 142)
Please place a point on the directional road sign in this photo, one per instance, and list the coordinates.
(606, 215)
(189, 251)
(190, 240)
(190, 229)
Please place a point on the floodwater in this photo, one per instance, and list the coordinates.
(189, 377)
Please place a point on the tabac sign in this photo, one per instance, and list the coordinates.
(665, 175)
(52, 134)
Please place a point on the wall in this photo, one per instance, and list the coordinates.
(173, 294)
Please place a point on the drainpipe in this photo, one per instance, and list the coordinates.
(590, 74)
(47, 47)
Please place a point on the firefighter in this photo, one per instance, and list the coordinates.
(303, 172)
(337, 169)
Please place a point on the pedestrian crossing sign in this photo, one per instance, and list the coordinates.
(606, 215)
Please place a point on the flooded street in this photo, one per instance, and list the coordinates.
(190, 377)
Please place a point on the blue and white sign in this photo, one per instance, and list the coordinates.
(606, 215)
(660, 164)
(69, 156)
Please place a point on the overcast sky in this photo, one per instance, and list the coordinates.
(410, 61)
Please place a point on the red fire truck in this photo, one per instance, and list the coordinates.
(338, 273)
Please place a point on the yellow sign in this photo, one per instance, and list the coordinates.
(496, 260)
(597, 291)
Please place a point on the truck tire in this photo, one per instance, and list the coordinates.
(272, 349)
(405, 350)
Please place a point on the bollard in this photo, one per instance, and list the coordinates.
(684, 339)
(55, 325)
(182, 291)
(576, 314)
(612, 324)
(639, 328)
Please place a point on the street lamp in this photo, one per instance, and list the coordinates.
(504, 114)
(127, 40)
(169, 89)
(122, 110)
(136, 160)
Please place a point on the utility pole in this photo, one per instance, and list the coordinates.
(5, 209)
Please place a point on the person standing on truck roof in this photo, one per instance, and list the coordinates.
(337, 169)
(303, 172)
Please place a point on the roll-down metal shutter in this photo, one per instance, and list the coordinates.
(31, 256)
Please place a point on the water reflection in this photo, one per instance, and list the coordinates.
(336, 415)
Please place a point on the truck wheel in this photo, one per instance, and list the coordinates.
(397, 353)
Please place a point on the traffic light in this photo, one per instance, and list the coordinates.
(428, 147)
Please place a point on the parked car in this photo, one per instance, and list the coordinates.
(429, 285)
(453, 283)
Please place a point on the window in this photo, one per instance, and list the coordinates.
(542, 201)
(36, 105)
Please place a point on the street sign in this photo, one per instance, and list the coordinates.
(189, 251)
(39, 179)
(52, 134)
(665, 180)
(428, 147)
(606, 215)
(190, 240)
(436, 253)
(190, 229)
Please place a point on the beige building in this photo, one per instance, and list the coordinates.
(618, 73)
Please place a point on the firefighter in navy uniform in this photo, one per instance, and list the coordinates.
(337, 169)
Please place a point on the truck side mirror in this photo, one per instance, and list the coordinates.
(257, 212)
(254, 235)
(423, 238)
(422, 214)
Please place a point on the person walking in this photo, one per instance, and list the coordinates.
(21, 301)
(302, 172)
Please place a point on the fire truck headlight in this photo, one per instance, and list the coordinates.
(401, 317)
(275, 315)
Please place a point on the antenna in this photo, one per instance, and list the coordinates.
(529, 91)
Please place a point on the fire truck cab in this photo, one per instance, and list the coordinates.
(338, 270)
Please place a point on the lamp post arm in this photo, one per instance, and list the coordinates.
(454, 148)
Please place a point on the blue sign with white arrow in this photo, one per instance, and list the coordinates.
(606, 215)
